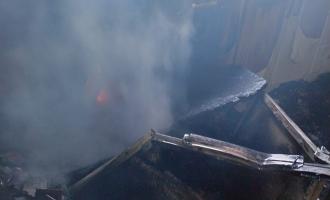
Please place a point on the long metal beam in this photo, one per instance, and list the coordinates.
(245, 156)
(220, 150)
(311, 149)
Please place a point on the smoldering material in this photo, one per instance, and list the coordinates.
(83, 79)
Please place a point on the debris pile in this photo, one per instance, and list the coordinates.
(308, 104)
(16, 183)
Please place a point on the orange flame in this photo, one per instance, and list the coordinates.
(102, 98)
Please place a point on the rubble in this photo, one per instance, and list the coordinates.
(17, 184)
(190, 161)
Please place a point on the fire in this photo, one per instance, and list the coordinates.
(102, 98)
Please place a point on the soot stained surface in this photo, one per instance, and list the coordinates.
(308, 104)
(168, 172)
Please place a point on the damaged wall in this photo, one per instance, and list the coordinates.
(283, 40)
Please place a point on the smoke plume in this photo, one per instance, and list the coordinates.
(83, 79)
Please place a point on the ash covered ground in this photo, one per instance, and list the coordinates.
(308, 104)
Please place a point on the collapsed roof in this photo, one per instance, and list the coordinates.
(196, 167)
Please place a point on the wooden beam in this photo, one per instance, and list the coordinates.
(301, 138)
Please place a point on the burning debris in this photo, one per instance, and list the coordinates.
(81, 81)
(157, 159)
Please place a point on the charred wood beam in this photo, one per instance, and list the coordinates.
(315, 153)
(220, 150)
(114, 162)
(311, 149)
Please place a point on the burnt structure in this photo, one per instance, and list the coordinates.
(233, 137)
(197, 167)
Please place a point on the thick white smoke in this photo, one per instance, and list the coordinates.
(60, 55)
